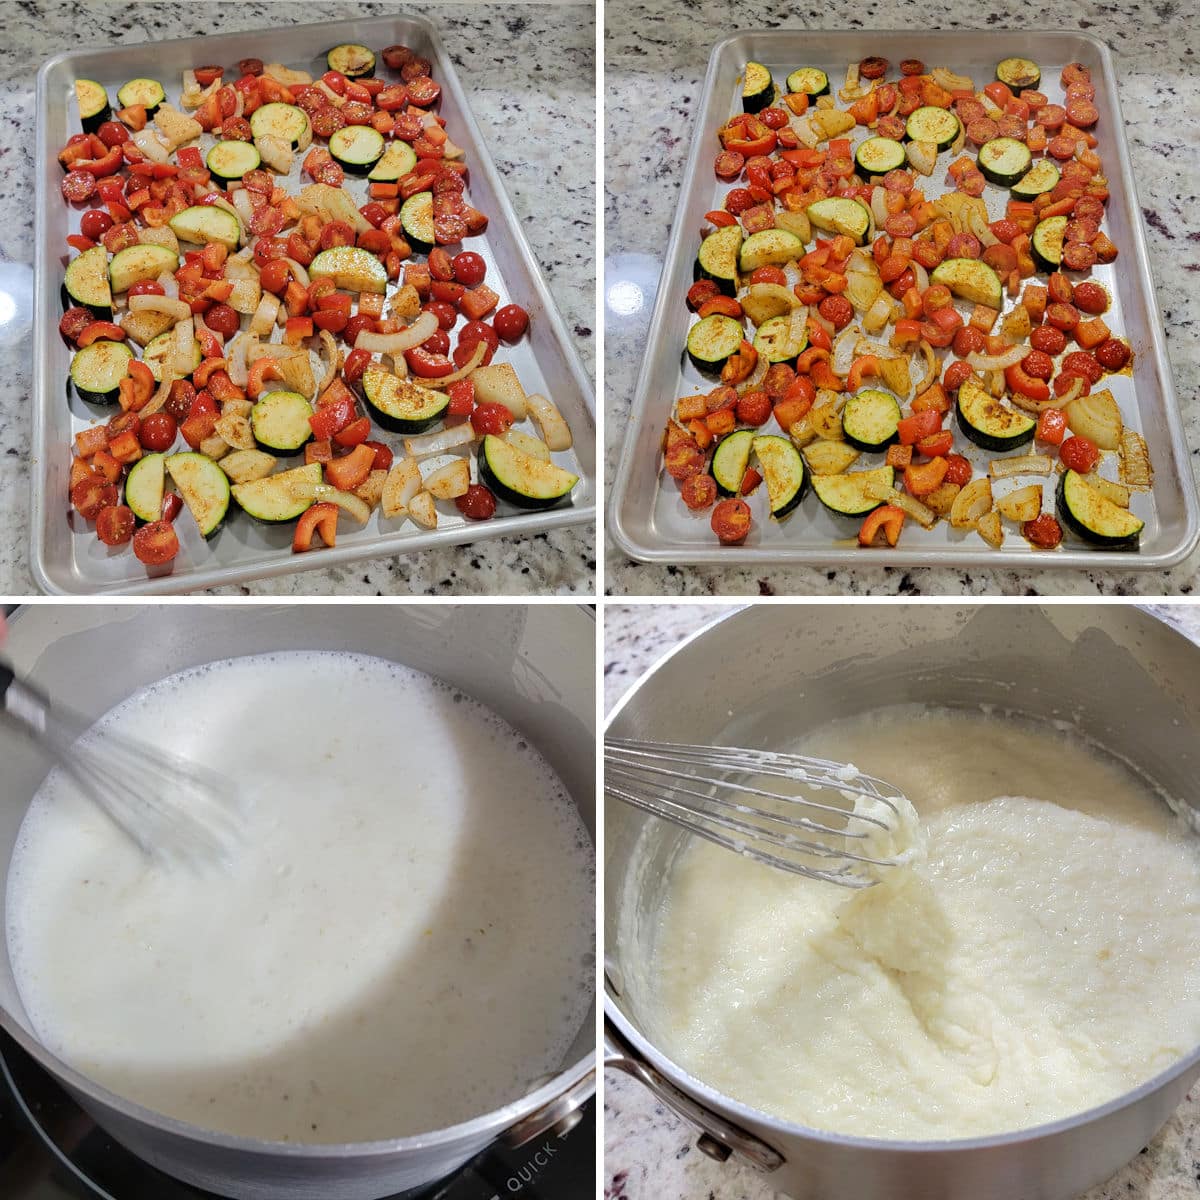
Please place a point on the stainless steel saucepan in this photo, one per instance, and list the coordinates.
(1121, 677)
(531, 665)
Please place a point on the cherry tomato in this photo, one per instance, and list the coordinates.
(1080, 362)
(479, 331)
(490, 418)
(180, 399)
(837, 310)
(968, 340)
(115, 525)
(1112, 354)
(274, 275)
(469, 268)
(438, 342)
(426, 364)
(223, 320)
(1062, 316)
(1044, 532)
(1079, 453)
(1048, 339)
(477, 503)
(158, 431)
(731, 521)
(356, 325)
(758, 275)
(958, 470)
(511, 322)
(957, 373)
(754, 408)
(91, 495)
(1038, 365)
(356, 363)
(1088, 297)
(383, 456)
(95, 223)
(446, 314)
(156, 543)
(698, 491)
(336, 233)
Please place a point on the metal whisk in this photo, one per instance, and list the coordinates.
(711, 791)
(173, 809)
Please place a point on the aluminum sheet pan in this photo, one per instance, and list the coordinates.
(647, 518)
(66, 556)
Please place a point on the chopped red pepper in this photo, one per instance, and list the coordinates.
(320, 518)
(888, 518)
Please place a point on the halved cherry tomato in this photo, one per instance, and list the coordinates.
(491, 418)
(1079, 453)
(156, 543)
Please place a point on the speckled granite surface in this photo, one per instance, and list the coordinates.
(524, 67)
(649, 1154)
(655, 59)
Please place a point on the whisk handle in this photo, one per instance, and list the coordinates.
(21, 702)
(6, 678)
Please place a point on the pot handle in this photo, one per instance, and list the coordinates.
(558, 1117)
(719, 1138)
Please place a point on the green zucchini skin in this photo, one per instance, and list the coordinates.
(1047, 243)
(1019, 74)
(1094, 517)
(501, 466)
(932, 124)
(94, 108)
(204, 488)
(878, 156)
(1043, 176)
(987, 423)
(784, 472)
(147, 92)
(97, 371)
(416, 218)
(399, 405)
(845, 494)
(758, 90)
(717, 258)
(86, 283)
(1004, 161)
(730, 460)
(357, 147)
(871, 419)
(279, 498)
(351, 59)
(280, 422)
(712, 341)
(812, 81)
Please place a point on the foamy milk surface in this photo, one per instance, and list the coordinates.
(402, 943)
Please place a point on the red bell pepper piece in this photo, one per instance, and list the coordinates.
(262, 370)
(919, 425)
(349, 472)
(332, 418)
(925, 478)
(888, 518)
(462, 398)
(320, 518)
(297, 329)
(189, 158)
(318, 452)
(936, 445)
(98, 330)
(1019, 381)
(355, 433)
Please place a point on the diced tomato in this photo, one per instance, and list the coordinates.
(462, 398)
(478, 302)
(1052, 426)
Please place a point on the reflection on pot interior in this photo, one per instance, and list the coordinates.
(1042, 956)
(400, 944)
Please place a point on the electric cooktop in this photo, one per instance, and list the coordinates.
(50, 1149)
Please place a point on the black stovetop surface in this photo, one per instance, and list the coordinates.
(51, 1150)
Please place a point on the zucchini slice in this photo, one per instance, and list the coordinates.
(989, 423)
(144, 487)
(399, 405)
(146, 92)
(972, 280)
(812, 81)
(97, 371)
(416, 216)
(712, 340)
(1018, 73)
(280, 422)
(357, 147)
(779, 342)
(94, 108)
(521, 479)
(86, 283)
(204, 488)
(281, 497)
(1043, 176)
(1004, 161)
(161, 348)
(1093, 516)
(932, 124)
(351, 268)
(352, 60)
(398, 159)
(204, 223)
(231, 160)
(287, 122)
(1047, 243)
(730, 460)
(871, 419)
(783, 472)
(758, 88)
(837, 214)
(718, 258)
(771, 247)
(846, 494)
(878, 156)
(135, 263)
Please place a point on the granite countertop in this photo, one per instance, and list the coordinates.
(650, 1153)
(655, 58)
(528, 71)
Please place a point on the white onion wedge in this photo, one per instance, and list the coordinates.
(421, 330)
(176, 309)
(424, 444)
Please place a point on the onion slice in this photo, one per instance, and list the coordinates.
(450, 438)
(1023, 464)
(329, 355)
(298, 271)
(263, 320)
(998, 362)
(931, 369)
(176, 309)
(421, 330)
(477, 356)
(182, 344)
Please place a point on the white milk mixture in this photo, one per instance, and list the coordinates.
(402, 943)
(1042, 956)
